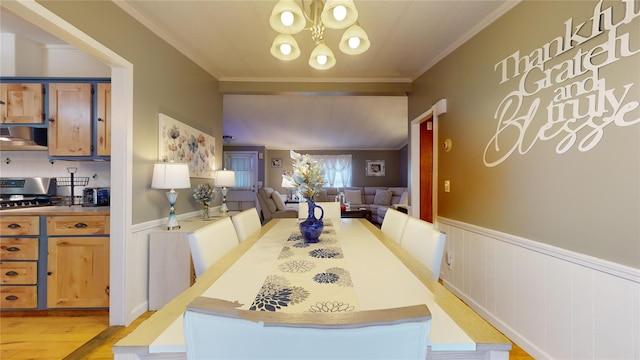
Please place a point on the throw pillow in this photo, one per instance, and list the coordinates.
(383, 197)
(353, 197)
(404, 199)
(278, 200)
(269, 191)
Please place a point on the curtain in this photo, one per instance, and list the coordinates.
(242, 165)
(337, 169)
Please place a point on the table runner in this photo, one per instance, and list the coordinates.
(308, 277)
(380, 281)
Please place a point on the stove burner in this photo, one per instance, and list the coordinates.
(24, 201)
(16, 193)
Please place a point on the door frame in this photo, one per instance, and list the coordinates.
(120, 312)
(414, 155)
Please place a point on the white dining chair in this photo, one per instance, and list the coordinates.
(213, 327)
(331, 210)
(209, 243)
(425, 243)
(246, 223)
(393, 224)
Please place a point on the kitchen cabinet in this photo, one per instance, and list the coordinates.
(78, 261)
(70, 120)
(21, 103)
(103, 141)
(75, 113)
(19, 262)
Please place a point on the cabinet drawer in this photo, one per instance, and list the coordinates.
(77, 225)
(18, 248)
(18, 297)
(19, 225)
(14, 272)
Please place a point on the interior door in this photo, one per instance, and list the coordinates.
(426, 170)
(245, 165)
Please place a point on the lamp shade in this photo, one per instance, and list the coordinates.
(355, 32)
(322, 57)
(292, 9)
(171, 176)
(286, 183)
(350, 14)
(285, 40)
(225, 178)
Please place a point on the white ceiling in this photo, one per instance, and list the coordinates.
(231, 40)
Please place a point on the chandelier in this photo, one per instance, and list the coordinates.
(288, 18)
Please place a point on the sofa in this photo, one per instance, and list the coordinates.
(375, 198)
(272, 205)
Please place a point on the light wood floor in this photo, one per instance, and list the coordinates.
(79, 337)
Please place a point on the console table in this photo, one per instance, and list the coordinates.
(170, 266)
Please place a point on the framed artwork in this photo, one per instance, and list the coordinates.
(375, 167)
(179, 142)
(276, 162)
(287, 172)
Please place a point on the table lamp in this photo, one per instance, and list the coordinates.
(171, 176)
(287, 185)
(225, 178)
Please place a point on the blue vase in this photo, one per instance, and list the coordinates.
(311, 228)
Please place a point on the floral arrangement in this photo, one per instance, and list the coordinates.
(203, 193)
(307, 177)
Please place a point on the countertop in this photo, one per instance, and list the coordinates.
(58, 210)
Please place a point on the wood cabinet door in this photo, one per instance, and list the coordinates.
(104, 120)
(21, 104)
(78, 272)
(70, 119)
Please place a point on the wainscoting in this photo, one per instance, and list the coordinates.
(554, 303)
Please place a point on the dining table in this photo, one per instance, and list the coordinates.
(353, 267)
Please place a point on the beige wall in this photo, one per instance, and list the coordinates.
(165, 81)
(588, 200)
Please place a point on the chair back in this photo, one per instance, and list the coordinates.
(331, 210)
(246, 223)
(393, 224)
(209, 243)
(214, 329)
(425, 243)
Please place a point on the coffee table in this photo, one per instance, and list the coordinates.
(356, 213)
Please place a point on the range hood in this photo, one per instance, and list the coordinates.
(23, 138)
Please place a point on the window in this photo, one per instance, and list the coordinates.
(337, 169)
(244, 163)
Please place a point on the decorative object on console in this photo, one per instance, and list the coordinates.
(171, 176)
(204, 194)
(287, 18)
(375, 168)
(308, 178)
(225, 178)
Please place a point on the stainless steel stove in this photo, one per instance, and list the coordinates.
(16, 193)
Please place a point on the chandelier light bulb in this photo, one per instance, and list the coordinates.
(286, 18)
(285, 49)
(340, 12)
(354, 42)
(322, 59)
